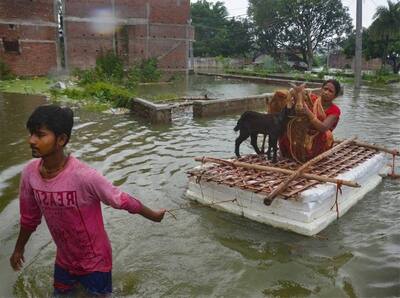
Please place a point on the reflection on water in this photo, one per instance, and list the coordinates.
(204, 252)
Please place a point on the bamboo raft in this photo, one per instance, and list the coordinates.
(306, 194)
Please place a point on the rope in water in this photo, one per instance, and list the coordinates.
(188, 206)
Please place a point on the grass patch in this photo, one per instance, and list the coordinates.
(98, 96)
(39, 85)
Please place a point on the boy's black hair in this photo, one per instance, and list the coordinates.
(334, 83)
(55, 118)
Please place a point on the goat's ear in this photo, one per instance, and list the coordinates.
(289, 104)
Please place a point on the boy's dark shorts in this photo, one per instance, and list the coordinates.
(96, 283)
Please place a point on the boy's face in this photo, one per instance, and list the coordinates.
(44, 142)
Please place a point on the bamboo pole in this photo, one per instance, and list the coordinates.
(371, 146)
(275, 169)
(300, 170)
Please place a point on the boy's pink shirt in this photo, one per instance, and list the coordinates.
(70, 204)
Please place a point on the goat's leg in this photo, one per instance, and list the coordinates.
(272, 145)
(263, 144)
(242, 136)
(253, 137)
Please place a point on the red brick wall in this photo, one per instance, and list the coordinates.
(36, 59)
(169, 11)
(33, 24)
(84, 45)
(31, 32)
(131, 8)
(164, 34)
(340, 61)
(27, 10)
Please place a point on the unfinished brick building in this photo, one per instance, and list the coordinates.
(134, 29)
(339, 60)
(29, 36)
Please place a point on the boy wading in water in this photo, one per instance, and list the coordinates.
(67, 192)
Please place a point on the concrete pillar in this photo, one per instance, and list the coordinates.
(358, 62)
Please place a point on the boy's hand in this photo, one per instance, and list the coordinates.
(154, 215)
(17, 260)
(159, 215)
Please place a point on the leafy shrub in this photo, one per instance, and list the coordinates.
(86, 76)
(5, 72)
(147, 71)
(102, 93)
(110, 67)
(106, 92)
(224, 61)
(133, 77)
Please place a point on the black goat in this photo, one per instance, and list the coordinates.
(253, 123)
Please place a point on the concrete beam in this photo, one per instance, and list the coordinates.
(27, 23)
(155, 113)
(117, 21)
(205, 108)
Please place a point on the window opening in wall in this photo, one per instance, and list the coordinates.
(11, 46)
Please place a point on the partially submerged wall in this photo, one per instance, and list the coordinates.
(206, 108)
(29, 36)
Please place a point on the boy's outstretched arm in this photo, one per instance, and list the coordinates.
(154, 215)
(17, 258)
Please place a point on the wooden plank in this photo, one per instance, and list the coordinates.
(300, 170)
(275, 169)
(375, 147)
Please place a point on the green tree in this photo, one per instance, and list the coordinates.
(348, 45)
(216, 35)
(382, 38)
(299, 26)
(384, 35)
(237, 38)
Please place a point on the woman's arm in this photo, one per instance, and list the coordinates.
(319, 125)
(325, 125)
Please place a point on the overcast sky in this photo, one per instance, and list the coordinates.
(239, 7)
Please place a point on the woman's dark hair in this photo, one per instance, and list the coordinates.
(334, 83)
(55, 118)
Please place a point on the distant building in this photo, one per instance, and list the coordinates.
(340, 61)
(29, 36)
(292, 60)
(133, 29)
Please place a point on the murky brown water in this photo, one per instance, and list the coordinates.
(200, 85)
(206, 253)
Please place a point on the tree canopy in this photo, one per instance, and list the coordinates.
(382, 38)
(299, 26)
(216, 34)
(384, 35)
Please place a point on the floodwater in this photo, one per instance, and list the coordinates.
(200, 86)
(203, 252)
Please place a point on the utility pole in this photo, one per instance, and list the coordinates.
(357, 61)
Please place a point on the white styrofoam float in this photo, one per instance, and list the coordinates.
(309, 214)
